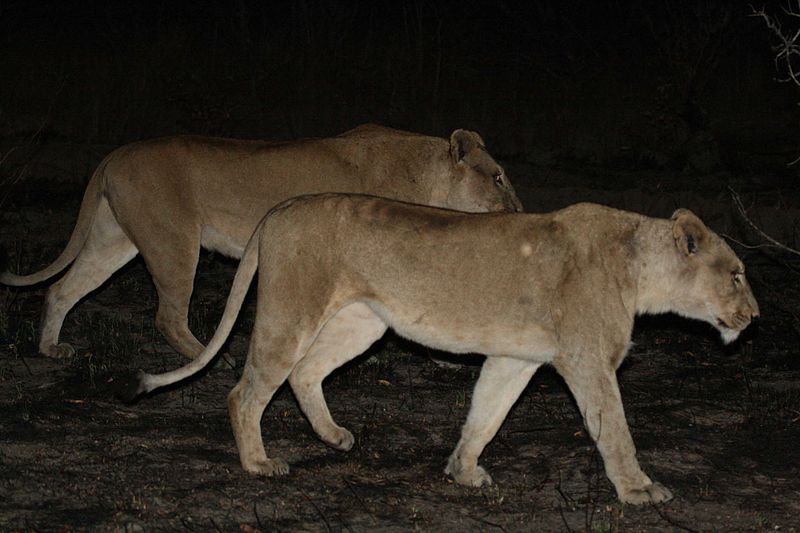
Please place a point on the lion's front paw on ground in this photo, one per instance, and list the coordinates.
(59, 351)
(343, 440)
(478, 477)
(269, 468)
(653, 493)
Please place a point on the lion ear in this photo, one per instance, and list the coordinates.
(463, 142)
(689, 232)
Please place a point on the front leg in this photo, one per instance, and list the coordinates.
(501, 382)
(594, 385)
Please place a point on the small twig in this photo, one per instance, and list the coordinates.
(492, 524)
(592, 489)
(258, 518)
(564, 518)
(762, 247)
(319, 511)
(359, 499)
(566, 501)
(214, 523)
(746, 246)
(530, 430)
(671, 521)
(737, 201)
(8, 153)
(24, 362)
(226, 358)
(564, 497)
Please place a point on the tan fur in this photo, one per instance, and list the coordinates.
(165, 198)
(525, 290)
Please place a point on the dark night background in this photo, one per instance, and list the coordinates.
(643, 105)
(685, 86)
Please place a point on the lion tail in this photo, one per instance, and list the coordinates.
(89, 204)
(132, 386)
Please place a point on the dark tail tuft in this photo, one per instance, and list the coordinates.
(128, 386)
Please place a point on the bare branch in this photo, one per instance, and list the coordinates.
(788, 47)
(737, 201)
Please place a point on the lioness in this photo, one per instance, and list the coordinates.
(165, 198)
(525, 290)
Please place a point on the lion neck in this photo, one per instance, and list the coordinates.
(661, 275)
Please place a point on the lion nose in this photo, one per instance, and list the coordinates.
(754, 311)
(513, 205)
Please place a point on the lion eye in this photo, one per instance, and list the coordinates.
(737, 277)
(498, 178)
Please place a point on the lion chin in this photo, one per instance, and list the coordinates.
(728, 335)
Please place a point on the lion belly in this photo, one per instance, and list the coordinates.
(218, 241)
(453, 332)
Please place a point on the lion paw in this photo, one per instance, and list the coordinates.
(269, 468)
(477, 477)
(59, 351)
(342, 440)
(652, 493)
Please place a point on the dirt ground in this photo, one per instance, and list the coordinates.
(720, 426)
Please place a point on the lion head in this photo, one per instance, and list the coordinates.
(478, 176)
(713, 285)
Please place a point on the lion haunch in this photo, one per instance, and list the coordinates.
(335, 271)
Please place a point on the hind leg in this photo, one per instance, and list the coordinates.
(172, 319)
(106, 250)
(172, 262)
(274, 352)
(345, 336)
(246, 404)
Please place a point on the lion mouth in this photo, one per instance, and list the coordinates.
(737, 322)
